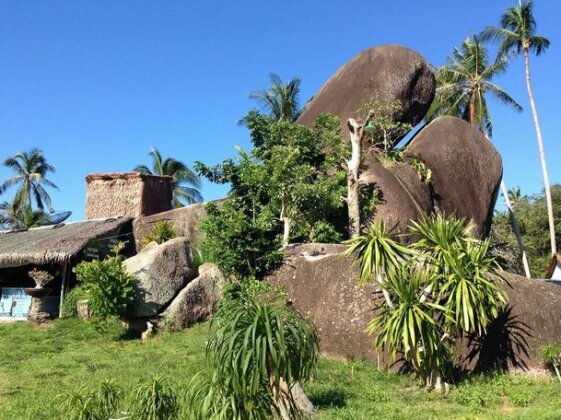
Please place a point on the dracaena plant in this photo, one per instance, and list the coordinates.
(436, 290)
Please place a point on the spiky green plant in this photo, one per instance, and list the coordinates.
(441, 287)
(155, 400)
(161, 232)
(98, 404)
(259, 347)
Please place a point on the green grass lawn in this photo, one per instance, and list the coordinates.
(39, 365)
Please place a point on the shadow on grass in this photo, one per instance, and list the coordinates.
(332, 398)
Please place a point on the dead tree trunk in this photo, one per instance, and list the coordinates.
(353, 167)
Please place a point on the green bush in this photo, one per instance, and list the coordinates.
(98, 404)
(155, 400)
(70, 303)
(257, 343)
(435, 291)
(161, 232)
(106, 284)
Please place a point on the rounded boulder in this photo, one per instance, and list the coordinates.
(388, 72)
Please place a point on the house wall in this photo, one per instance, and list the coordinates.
(556, 273)
(127, 195)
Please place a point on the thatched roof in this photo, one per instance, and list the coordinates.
(54, 244)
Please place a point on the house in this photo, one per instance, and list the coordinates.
(56, 249)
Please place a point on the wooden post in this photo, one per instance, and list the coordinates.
(63, 286)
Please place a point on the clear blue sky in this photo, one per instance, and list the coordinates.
(96, 84)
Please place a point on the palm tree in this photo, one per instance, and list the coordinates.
(463, 83)
(280, 100)
(180, 173)
(14, 216)
(30, 170)
(517, 34)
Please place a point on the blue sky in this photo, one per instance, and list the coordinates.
(97, 84)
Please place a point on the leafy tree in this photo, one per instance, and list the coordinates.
(374, 122)
(31, 169)
(441, 288)
(463, 84)
(288, 187)
(260, 350)
(531, 213)
(517, 35)
(186, 183)
(280, 100)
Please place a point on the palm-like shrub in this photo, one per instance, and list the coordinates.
(155, 400)
(259, 349)
(98, 404)
(161, 232)
(440, 288)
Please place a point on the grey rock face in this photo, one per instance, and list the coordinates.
(197, 301)
(322, 287)
(389, 72)
(162, 271)
(466, 170)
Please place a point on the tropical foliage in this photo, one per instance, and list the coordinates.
(287, 188)
(280, 101)
(16, 216)
(161, 232)
(186, 183)
(110, 290)
(517, 35)
(435, 291)
(31, 169)
(531, 212)
(464, 82)
(259, 348)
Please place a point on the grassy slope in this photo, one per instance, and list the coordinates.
(38, 364)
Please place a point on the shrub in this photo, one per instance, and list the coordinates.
(107, 285)
(435, 291)
(98, 404)
(162, 231)
(70, 303)
(155, 400)
(259, 349)
(551, 355)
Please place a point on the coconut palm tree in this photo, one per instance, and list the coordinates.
(462, 85)
(465, 80)
(186, 184)
(30, 170)
(517, 35)
(280, 100)
(14, 216)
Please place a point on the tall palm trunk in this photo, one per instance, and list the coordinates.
(542, 154)
(516, 230)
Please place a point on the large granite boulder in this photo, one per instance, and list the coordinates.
(466, 170)
(197, 301)
(162, 271)
(322, 286)
(389, 72)
(185, 220)
(401, 193)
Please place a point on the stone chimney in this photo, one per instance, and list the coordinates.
(129, 194)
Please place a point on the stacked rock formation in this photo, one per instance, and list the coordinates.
(466, 168)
